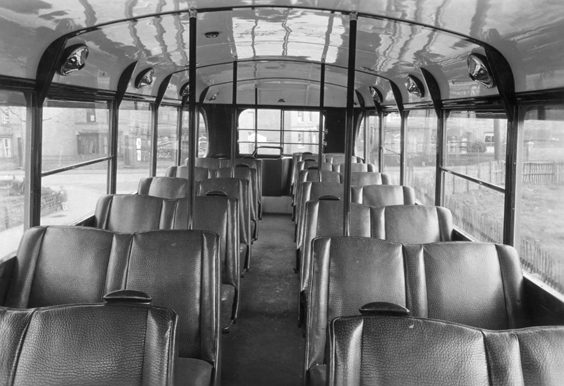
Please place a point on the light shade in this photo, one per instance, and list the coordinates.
(414, 86)
(376, 95)
(144, 78)
(184, 89)
(479, 71)
(74, 59)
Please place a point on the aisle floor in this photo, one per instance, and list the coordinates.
(266, 347)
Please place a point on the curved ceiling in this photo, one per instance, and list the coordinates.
(289, 40)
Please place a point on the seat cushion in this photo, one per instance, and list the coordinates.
(192, 372)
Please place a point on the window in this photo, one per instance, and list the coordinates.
(67, 196)
(299, 133)
(134, 145)
(421, 154)
(392, 146)
(476, 208)
(540, 217)
(167, 143)
(12, 139)
(373, 138)
(359, 140)
(202, 136)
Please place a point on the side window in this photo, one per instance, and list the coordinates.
(539, 228)
(392, 146)
(12, 158)
(75, 157)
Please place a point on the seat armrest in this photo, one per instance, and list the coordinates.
(383, 308)
(6, 271)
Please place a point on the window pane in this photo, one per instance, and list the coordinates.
(477, 210)
(246, 129)
(73, 132)
(12, 157)
(185, 130)
(392, 146)
(134, 145)
(476, 145)
(373, 140)
(539, 230)
(301, 131)
(268, 119)
(69, 197)
(421, 154)
(359, 140)
(202, 137)
(167, 144)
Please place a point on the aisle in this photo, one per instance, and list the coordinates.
(266, 347)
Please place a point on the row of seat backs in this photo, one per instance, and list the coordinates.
(403, 351)
(477, 284)
(327, 160)
(311, 191)
(357, 178)
(173, 188)
(179, 269)
(329, 167)
(241, 172)
(412, 224)
(94, 344)
(129, 213)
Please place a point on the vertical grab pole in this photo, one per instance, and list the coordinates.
(192, 113)
(349, 130)
(321, 105)
(234, 120)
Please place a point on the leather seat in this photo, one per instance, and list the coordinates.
(355, 167)
(250, 175)
(339, 158)
(164, 187)
(257, 165)
(403, 351)
(478, 284)
(238, 189)
(209, 163)
(369, 178)
(113, 344)
(383, 195)
(181, 171)
(214, 214)
(178, 268)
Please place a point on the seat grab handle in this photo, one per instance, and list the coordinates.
(383, 308)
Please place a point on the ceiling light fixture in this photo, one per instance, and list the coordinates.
(184, 90)
(414, 86)
(479, 71)
(145, 77)
(281, 100)
(376, 95)
(74, 59)
(212, 34)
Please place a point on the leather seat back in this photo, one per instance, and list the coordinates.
(401, 350)
(369, 178)
(181, 171)
(245, 173)
(235, 188)
(165, 187)
(135, 213)
(383, 195)
(178, 268)
(313, 175)
(209, 163)
(312, 191)
(355, 167)
(412, 224)
(339, 158)
(88, 344)
(478, 284)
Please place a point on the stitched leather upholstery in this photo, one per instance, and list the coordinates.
(245, 173)
(314, 175)
(412, 223)
(114, 344)
(181, 171)
(238, 189)
(165, 187)
(214, 214)
(369, 178)
(311, 191)
(403, 351)
(355, 167)
(178, 268)
(210, 163)
(134, 213)
(383, 195)
(431, 280)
